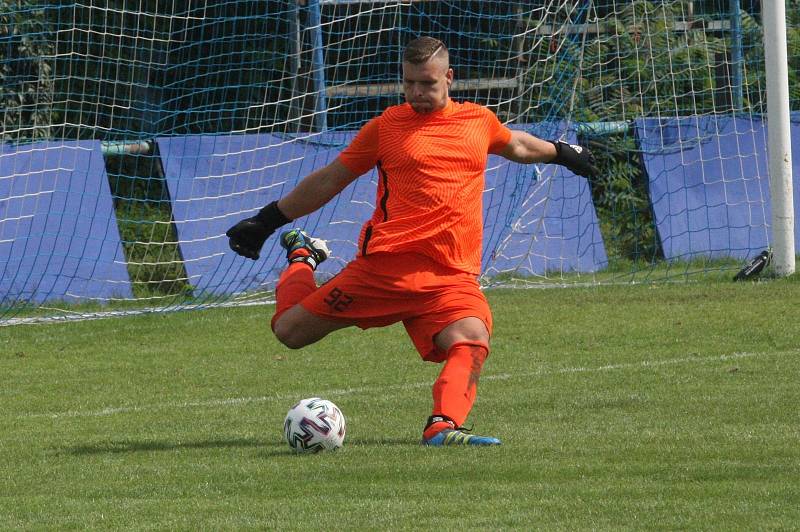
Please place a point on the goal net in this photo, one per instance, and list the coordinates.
(135, 132)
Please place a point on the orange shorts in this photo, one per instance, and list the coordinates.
(384, 288)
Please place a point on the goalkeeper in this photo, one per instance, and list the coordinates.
(419, 255)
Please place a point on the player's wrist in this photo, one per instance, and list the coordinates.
(272, 217)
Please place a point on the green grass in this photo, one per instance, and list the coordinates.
(620, 407)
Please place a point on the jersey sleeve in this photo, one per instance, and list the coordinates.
(362, 153)
(499, 135)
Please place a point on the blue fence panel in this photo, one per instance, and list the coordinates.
(541, 218)
(58, 231)
(215, 181)
(709, 184)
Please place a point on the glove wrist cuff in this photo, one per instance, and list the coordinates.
(272, 217)
(557, 144)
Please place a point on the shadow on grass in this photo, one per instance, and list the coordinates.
(379, 442)
(271, 448)
(129, 446)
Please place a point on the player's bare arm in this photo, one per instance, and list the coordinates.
(526, 149)
(316, 189)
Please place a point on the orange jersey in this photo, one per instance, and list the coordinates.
(430, 180)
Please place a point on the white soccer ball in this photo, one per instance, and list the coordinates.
(314, 425)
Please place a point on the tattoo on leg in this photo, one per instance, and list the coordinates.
(475, 369)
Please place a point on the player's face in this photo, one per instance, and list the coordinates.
(427, 86)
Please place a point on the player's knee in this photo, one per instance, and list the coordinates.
(476, 336)
(291, 341)
(298, 328)
(467, 330)
(288, 335)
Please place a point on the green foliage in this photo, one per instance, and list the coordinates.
(151, 248)
(621, 200)
(145, 224)
(646, 59)
(167, 68)
(133, 69)
(158, 67)
(793, 51)
(26, 71)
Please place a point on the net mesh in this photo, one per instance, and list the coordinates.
(136, 131)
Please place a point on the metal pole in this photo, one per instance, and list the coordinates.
(318, 66)
(736, 55)
(295, 49)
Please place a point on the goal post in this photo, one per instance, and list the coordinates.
(780, 142)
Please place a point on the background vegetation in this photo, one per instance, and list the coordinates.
(133, 70)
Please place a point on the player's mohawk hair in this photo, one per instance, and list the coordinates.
(422, 49)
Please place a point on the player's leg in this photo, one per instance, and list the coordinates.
(367, 292)
(465, 343)
(454, 329)
(294, 326)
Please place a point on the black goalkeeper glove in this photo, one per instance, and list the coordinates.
(248, 236)
(576, 159)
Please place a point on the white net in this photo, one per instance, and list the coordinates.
(137, 132)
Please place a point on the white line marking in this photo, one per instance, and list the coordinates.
(235, 401)
(71, 316)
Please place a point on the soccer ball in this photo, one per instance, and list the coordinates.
(314, 425)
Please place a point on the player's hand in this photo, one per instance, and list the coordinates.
(577, 159)
(247, 237)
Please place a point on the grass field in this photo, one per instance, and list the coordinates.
(634, 407)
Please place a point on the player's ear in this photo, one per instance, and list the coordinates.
(449, 76)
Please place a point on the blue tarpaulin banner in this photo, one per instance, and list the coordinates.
(58, 231)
